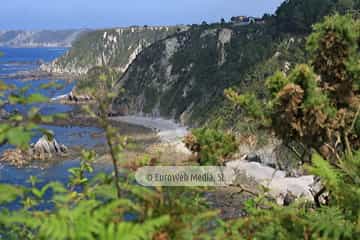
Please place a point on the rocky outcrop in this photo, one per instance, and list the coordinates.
(45, 148)
(116, 48)
(74, 98)
(281, 188)
(224, 38)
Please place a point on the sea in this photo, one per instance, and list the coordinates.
(25, 59)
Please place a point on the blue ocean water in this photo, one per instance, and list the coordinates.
(23, 59)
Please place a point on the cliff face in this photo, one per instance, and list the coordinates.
(183, 77)
(61, 38)
(115, 48)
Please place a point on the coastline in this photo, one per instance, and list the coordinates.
(38, 74)
(279, 185)
(171, 148)
(167, 130)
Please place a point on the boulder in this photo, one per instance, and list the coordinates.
(284, 189)
(46, 148)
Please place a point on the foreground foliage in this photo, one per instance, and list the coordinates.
(97, 212)
(101, 207)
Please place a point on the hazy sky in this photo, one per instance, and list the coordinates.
(64, 14)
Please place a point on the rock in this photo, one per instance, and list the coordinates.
(265, 154)
(73, 98)
(289, 199)
(253, 157)
(44, 149)
(317, 189)
(273, 154)
(275, 180)
(224, 38)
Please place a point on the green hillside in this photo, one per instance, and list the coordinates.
(184, 76)
(115, 48)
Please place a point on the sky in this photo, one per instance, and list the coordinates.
(74, 14)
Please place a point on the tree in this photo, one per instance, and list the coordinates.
(298, 16)
(100, 83)
(317, 105)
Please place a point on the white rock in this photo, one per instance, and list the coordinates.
(275, 180)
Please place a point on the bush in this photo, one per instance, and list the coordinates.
(211, 145)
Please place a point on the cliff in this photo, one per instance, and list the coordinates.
(183, 77)
(115, 48)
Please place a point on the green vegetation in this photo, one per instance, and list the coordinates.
(317, 105)
(298, 16)
(314, 104)
(104, 207)
(97, 212)
(188, 71)
(339, 219)
(110, 47)
(211, 145)
(192, 79)
(97, 77)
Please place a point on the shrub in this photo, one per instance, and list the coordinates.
(211, 145)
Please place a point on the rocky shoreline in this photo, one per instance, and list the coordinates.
(38, 74)
(252, 173)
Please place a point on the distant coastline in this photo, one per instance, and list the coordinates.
(39, 39)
